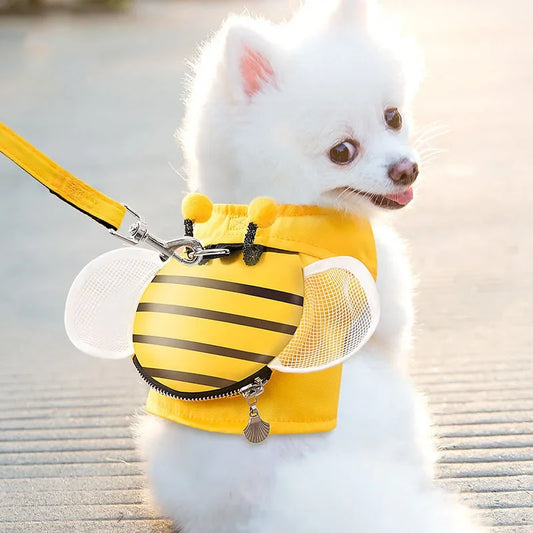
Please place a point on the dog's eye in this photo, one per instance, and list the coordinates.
(393, 118)
(344, 153)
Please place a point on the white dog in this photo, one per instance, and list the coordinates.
(312, 111)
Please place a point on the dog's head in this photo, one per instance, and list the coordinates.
(311, 112)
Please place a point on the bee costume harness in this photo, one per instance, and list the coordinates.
(254, 300)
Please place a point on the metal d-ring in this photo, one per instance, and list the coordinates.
(138, 233)
(194, 250)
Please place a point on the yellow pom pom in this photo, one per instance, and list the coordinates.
(263, 212)
(196, 207)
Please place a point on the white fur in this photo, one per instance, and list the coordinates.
(332, 80)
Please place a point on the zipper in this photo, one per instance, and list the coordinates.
(257, 430)
(226, 392)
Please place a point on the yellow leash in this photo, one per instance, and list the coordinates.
(93, 203)
(61, 182)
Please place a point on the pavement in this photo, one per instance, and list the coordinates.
(100, 94)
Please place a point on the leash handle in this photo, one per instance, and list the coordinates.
(60, 182)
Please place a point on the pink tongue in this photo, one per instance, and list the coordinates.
(402, 198)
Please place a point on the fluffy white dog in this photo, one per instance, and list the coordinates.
(312, 111)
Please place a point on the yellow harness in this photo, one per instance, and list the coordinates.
(292, 403)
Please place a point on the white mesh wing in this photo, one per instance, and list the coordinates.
(102, 301)
(340, 313)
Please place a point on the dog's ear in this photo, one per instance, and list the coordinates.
(248, 59)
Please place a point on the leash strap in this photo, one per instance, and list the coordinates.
(93, 203)
(60, 182)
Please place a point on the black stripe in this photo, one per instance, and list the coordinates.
(202, 347)
(252, 290)
(189, 377)
(105, 223)
(279, 251)
(218, 316)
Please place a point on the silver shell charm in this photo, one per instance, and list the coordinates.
(257, 429)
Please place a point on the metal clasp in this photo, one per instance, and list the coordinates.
(138, 233)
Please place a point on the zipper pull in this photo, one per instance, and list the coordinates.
(257, 429)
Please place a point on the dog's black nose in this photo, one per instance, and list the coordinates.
(403, 172)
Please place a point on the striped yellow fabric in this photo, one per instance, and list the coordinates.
(205, 328)
(291, 403)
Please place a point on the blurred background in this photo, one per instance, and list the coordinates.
(97, 85)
